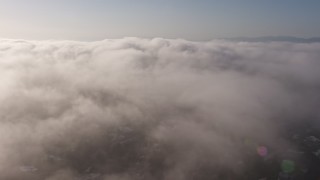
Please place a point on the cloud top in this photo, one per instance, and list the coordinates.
(150, 108)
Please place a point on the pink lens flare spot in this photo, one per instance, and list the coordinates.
(262, 151)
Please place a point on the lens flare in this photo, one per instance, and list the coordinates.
(262, 151)
(250, 143)
(287, 166)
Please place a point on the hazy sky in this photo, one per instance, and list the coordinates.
(189, 19)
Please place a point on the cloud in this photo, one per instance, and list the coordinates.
(149, 108)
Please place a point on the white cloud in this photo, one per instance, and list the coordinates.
(148, 109)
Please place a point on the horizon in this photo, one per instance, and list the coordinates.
(234, 39)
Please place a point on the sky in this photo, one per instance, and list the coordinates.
(187, 19)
